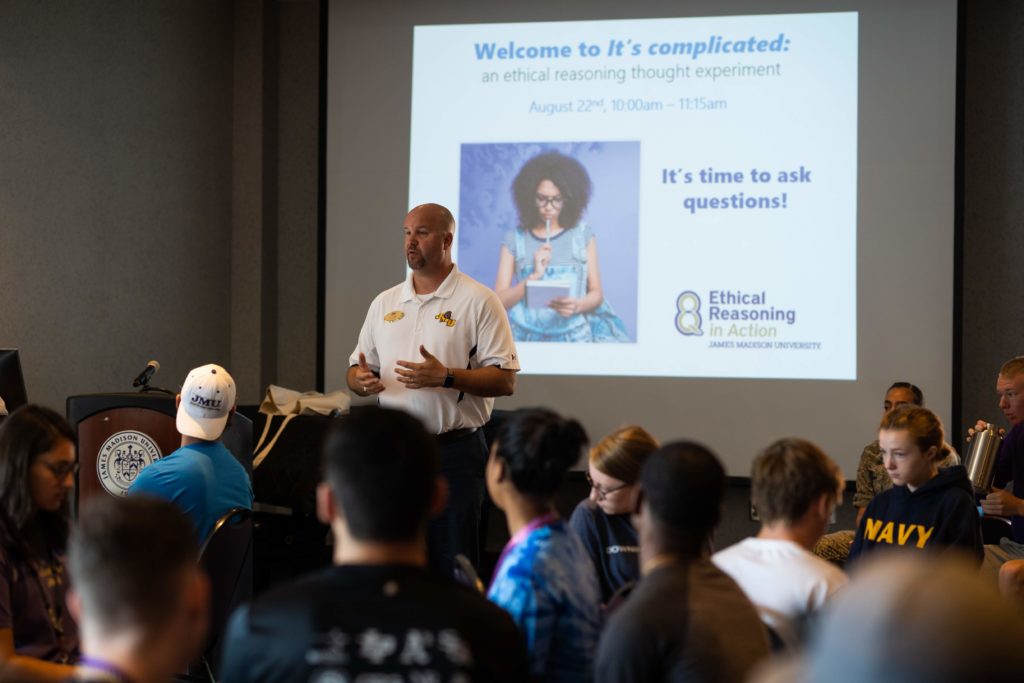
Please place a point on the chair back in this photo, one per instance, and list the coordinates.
(994, 529)
(227, 558)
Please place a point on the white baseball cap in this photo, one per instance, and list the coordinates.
(207, 398)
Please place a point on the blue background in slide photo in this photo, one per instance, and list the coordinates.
(487, 211)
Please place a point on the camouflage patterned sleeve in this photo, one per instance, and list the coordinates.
(869, 458)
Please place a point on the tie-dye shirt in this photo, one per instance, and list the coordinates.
(548, 584)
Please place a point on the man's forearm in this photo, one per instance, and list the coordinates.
(485, 382)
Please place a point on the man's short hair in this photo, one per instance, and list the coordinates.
(382, 467)
(788, 476)
(127, 558)
(683, 485)
(912, 388)
(1012, 367)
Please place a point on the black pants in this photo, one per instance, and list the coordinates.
(457, 529)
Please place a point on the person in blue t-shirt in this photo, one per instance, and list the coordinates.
(202, 477)
(544, 578)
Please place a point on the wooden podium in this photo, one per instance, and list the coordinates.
(120, 433)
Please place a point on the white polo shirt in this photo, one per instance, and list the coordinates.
(463, 324)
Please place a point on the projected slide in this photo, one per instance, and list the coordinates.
(658, 197)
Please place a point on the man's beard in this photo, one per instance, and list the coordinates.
(415, 260)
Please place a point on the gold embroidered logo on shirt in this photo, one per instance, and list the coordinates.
(445, 318)
(393, 316)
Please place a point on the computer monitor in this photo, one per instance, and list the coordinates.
(12, 382)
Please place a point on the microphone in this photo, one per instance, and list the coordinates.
(152, 367)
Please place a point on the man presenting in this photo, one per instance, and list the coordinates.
(439, 346)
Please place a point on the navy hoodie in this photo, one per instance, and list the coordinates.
(940, 514)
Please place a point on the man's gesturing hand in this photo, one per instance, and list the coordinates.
(430, 373)
(369, 383)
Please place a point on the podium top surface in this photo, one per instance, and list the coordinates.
(82, 406)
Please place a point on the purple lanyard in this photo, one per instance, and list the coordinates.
(106, 668)
(534, 524)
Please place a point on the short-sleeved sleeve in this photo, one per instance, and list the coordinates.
(508, 241)
(366, 344)
(588, 233)
(494, 343)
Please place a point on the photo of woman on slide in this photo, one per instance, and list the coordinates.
(553, 247)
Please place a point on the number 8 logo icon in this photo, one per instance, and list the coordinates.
(688, 320)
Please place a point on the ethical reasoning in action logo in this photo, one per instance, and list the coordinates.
(122, 457)
(688, 320)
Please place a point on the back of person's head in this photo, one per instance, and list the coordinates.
(132, 561)
(683, 487)
(788, 477)
(912, 388)
(538, 447)
(1012, 367)
(207, 402)
(26, 434)
(906, 618)
(622, 453)
(382, 468)
(922, 424)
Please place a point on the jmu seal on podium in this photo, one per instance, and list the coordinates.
(122, 457)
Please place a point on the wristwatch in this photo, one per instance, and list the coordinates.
(449, 379)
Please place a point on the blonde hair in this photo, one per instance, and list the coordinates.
(1012, 367)
(923, 425)
(622, 453)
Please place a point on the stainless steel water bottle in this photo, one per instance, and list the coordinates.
(981, 459)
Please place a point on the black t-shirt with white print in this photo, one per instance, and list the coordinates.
(357, 623)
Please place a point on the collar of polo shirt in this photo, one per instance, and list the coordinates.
(442, 292)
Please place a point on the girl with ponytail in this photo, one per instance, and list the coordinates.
(544, 578)
(927, 509)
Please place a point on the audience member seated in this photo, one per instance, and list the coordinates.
(202, 477)
(379, 613)
(927, 509)
(37, 468)
(603, 520)
(795, 488)
(137, 591)
(910, 619)
(544, 578)
(686, 620)
(872, 477)
(1009, 467)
